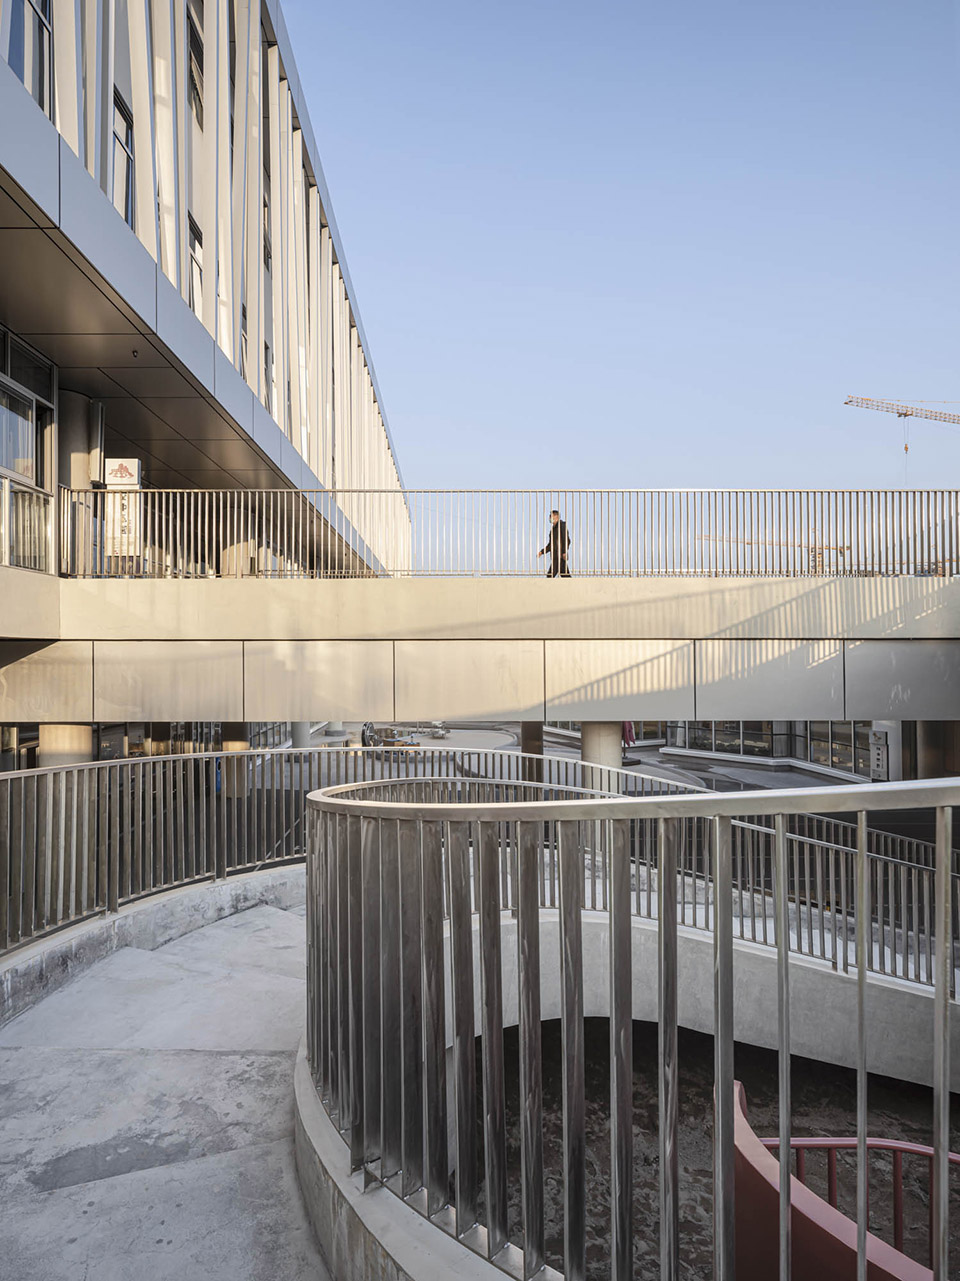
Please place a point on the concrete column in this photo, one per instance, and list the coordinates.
(234, 737)
(938, 749)
(334, 727)
(601, 743)
(80, 444)
(300, 734)
(65, 745)
(531, 743)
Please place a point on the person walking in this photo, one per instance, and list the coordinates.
(558, 544)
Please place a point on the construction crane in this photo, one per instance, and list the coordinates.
(902, 411)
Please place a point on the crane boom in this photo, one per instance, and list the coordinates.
(902, 411)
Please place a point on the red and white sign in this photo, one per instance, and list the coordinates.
(122, 473)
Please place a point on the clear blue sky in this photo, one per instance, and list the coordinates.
(647, 244)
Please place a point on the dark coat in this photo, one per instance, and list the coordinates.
(557, 546)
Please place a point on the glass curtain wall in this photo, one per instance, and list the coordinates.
(839, 745)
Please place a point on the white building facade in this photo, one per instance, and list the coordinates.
(189, 119)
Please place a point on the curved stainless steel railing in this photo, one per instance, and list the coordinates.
(397, 878)
(78, 841)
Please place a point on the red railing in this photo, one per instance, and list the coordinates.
(897, 1149)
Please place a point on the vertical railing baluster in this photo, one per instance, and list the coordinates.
(370, 993)
(863, 931)
(434, 1085)
(668, 1068)
(491, 1045)
(574, 1115)
(724, 1217)
(782, 919)
(531, 1071)
(464, 1052)
(940, 1191)
(391, 1001)
(353, 1085)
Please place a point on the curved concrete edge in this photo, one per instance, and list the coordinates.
(366, 1235)
(34, 971)
(823, 1240)
(823, 1002)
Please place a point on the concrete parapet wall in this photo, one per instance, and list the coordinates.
(511, 608)
(34, 971)
(366, 1235)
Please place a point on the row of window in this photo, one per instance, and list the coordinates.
(841, 745)
(30, 57)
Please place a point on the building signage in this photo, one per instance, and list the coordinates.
(122, 531)
(879, 763)
(122, 528)
(122, 473)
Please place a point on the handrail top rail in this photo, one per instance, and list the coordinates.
(350, 749)
(546, 490)
(913, 794)
(353, 789)
(848, 1142)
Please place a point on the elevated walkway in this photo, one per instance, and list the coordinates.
(656, 648)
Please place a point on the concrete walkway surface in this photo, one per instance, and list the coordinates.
(146, 1115)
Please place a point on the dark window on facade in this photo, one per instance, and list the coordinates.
(29, 48)
(861, 739)
(196, 72)
(18, 436)
(268, 377)
(31, 371)
(700, 736)
(841, 744)
(820, 742)
(757, 738)
(195, 287)
(728, 736)
(267, 247)
(123, 159)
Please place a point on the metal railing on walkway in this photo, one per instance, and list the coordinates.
(397, 878)
(457, 533)
(78, 841)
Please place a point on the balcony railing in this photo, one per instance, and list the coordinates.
(401, 877)
(455, 533)
(477, 833)
(919, 1154)
(79, 840)
(26, 527)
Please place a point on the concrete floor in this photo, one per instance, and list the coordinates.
(147, 1115)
